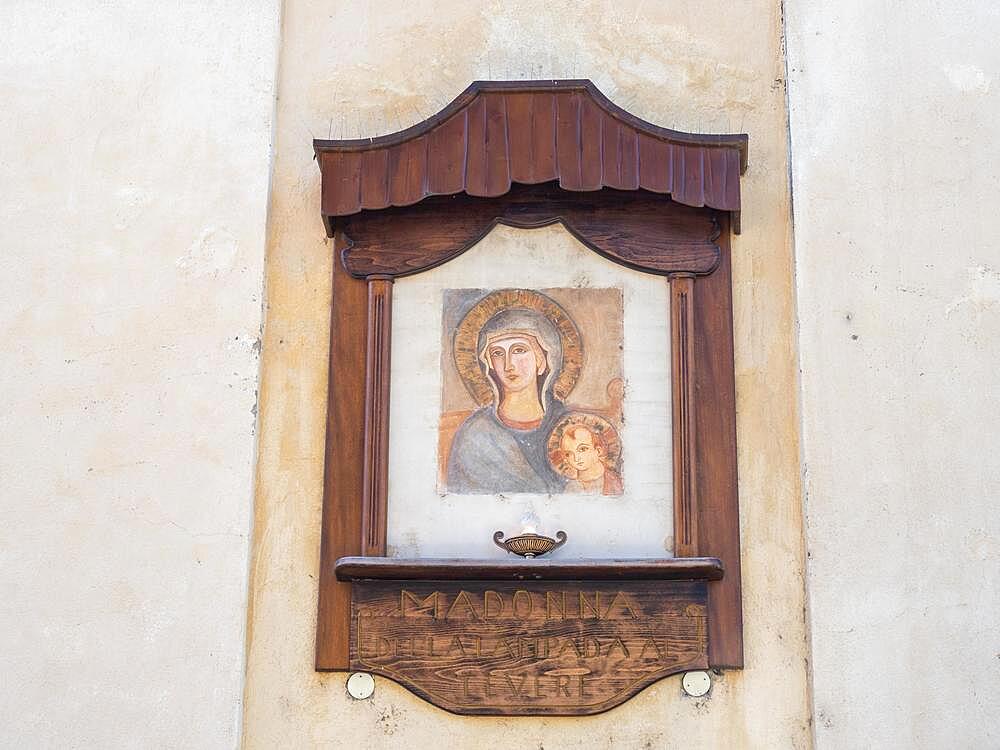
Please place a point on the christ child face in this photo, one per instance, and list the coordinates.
(583, 452)
(517, 362)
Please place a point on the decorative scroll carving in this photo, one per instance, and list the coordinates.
(640, 230)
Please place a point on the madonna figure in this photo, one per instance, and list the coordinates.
(519, 355)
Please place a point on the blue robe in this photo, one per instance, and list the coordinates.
(488, 457)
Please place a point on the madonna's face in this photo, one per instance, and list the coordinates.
(516, 362)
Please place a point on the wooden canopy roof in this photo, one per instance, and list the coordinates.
(500, 132)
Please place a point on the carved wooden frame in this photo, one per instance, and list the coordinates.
(648, 198)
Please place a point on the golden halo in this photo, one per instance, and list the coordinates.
(467, 340)
(601, 428)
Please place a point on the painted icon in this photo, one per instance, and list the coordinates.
(519, 357)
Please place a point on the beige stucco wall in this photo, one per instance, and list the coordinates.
(135, 156)
(359, 69)
(134, 167)
(894, 112)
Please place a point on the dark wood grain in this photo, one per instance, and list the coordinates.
(496, 133)
(591, 146)
(682, 327)
(530, 648)
(407, 171)
(446, 171)
(639, 230)
(344, 465)
(375, 486)
(476, 176)
(568, 141)
(655, 164)
(497, 147)
(374, 178)
(516, 569)
(622, 170)
(532, 137)
(715, 456)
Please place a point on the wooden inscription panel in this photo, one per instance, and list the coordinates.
(555, 648)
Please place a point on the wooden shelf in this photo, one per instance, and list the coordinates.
(398, 569)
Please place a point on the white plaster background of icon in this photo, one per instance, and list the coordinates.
(424, 522)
